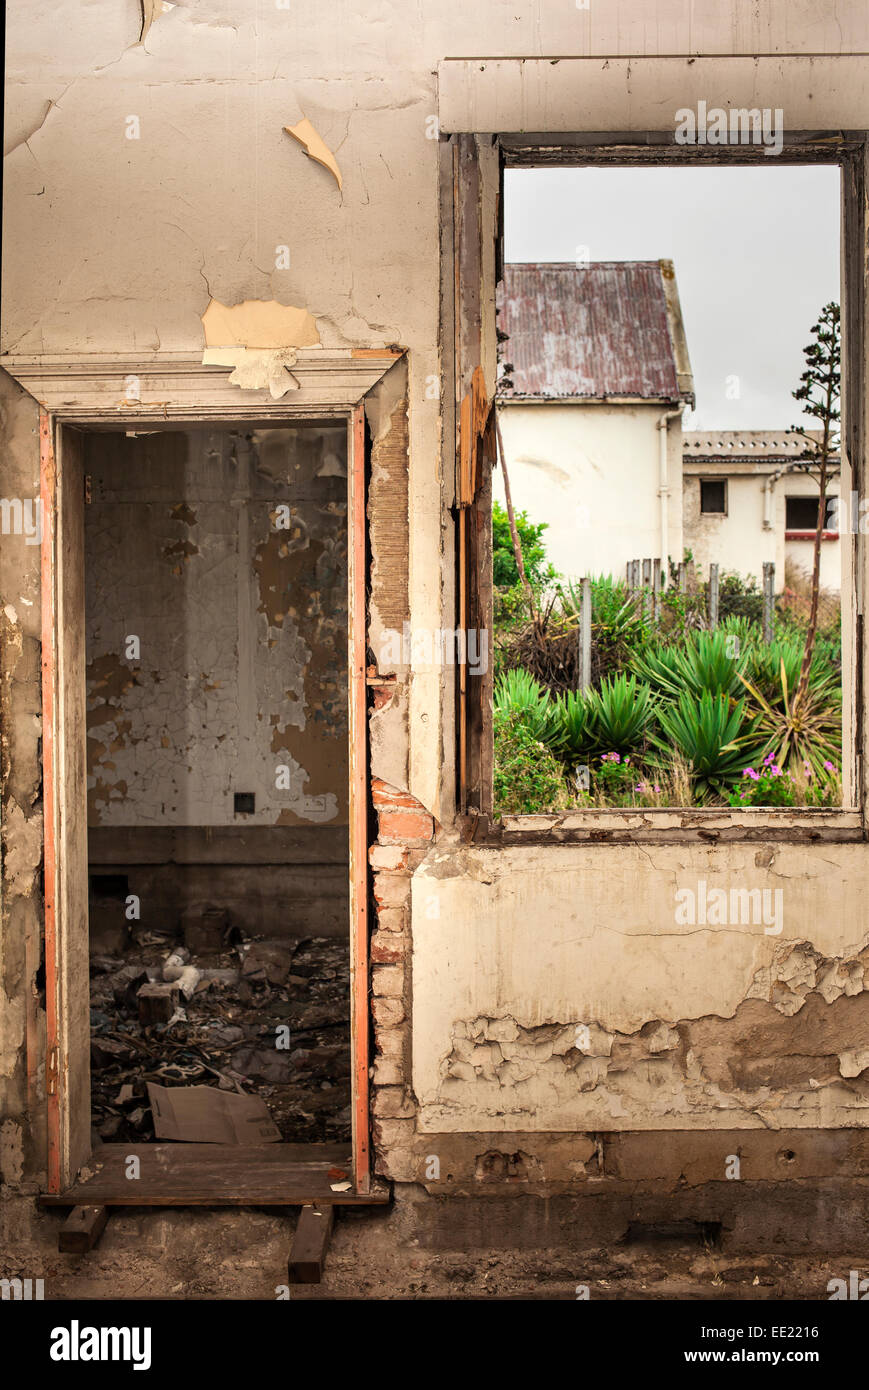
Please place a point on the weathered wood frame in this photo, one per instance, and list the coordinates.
(171, 389)
(469, 252)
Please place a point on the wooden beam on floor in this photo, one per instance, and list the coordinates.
(217, 1175)
(82, 1229)
(310, 1244)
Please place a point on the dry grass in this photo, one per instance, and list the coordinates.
(796, 597)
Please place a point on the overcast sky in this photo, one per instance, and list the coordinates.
(756, 252)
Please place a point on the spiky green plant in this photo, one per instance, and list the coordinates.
(518, 693)
(623, 712)
(799, 732)
(578, 738)
(713, 734)
(764, 670)
(706, 662)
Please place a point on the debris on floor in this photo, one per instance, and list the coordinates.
(248, 1018)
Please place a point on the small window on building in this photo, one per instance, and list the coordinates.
(801, 513)
(713, 496)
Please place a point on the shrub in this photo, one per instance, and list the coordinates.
(770, 785)
(528, 776)
(738, 595)
(505, 573)
(518, 693)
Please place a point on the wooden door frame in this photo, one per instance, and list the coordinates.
(173, 389)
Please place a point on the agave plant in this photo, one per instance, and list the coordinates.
(622, 711)
(578, 738)
(714, 736)
(800, 732)
(518, 693)
(766, 664)
(706, 662)
(748, 633)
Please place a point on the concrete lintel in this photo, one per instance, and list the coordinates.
(495, 95)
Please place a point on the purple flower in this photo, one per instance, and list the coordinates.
(755, 777)
(829, 767)
(776, 771)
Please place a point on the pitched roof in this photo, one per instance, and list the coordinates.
(609, 328)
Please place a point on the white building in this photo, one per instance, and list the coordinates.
(595, 375)
(594, 378)
(745, 502)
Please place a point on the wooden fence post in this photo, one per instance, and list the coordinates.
(713, 596)
(768, 599)
(585, 634)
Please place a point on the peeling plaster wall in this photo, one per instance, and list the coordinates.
(198, 205)
(22, 1087)
(225, 555)
(622, 1015)
(117, 244)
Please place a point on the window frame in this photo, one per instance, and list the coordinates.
(474, 253)
(723, 511)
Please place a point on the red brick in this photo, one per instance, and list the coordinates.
(391, 1103)
(391, 918)
(388, 1071)
(390, 1041)
(391, 890)
(387, 981)
(387, 948)
(382, 794)
(405, 825)
(388, 856)
(387, 1013)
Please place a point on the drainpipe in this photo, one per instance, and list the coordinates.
(768, 485)
(664, 489)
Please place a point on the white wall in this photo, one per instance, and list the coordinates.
(738, 540)
(591, 472)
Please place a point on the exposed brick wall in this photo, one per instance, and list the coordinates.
(405, 832)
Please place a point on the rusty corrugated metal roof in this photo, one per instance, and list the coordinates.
(593, 331)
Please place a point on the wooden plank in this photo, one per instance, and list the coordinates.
(82, 1229)
(310, 1244)
(216, 1175)
(71, 904)
(358, 829)
(48, 498)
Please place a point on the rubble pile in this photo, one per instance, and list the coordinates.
(264, 1018)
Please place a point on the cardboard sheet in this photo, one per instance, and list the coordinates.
(205, 1115)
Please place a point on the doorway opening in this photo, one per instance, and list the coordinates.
(216, 672)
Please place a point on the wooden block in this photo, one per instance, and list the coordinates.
(310, 1243)
(157, 1003)
(82, 1229)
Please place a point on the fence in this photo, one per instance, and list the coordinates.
(645, 582)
